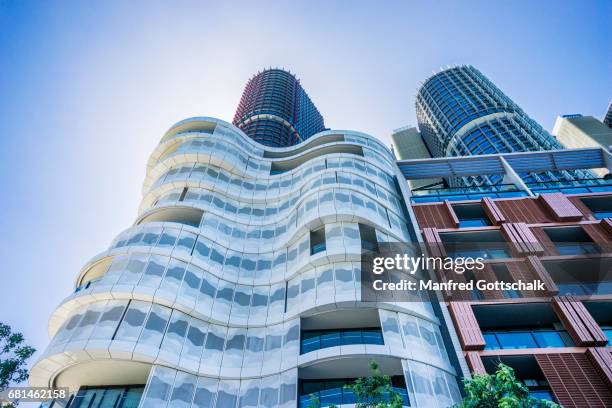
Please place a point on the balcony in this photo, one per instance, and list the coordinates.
(87, 285)
(316, 340)
(527, 371)
(471, 215)
(98, 383)
(581, 277)
(572, 240)
(486, 244)
(181, 215)
(600, 206)
(521, 326)
(340, 328)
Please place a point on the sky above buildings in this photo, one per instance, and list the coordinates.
(88, 88)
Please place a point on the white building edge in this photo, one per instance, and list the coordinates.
(204, 299)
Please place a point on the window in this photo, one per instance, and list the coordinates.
(572, 240)
(600, 206)
(112, 396)
(608, 332)
(155, 326)
(317, 339)
(333, 391)
(132, 322)
(471, 215)
(368, 238)
(581, 276)
(485, 244)
(526, 338)
(317, 241)
(502, 274)
(476, 293)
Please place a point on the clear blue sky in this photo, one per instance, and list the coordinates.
(88, 88)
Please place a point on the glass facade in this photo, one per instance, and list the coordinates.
(105, 397)
(608, 116)
(334, 392)
(435, 195)
(461, 112)
(315, 340)
(526, 338)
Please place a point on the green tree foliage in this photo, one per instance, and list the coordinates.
(13, 356)
(375, 391)
(502, 390)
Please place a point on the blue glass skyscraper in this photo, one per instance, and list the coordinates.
(608, 116)
(460, 113)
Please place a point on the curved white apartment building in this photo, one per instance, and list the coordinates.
(239, 283)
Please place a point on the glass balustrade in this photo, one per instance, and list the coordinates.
(466, 193)
(316, 340)
(527, 338)
(340, 396)
(595, 185)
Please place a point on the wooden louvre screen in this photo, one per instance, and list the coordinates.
(535, 265)
(435, 248)
(434, 242)
(601, 358)
(598, 234)
(574, 380)
(521, 239)
(451, 213)
(549, 247)
(528, 210)
(470, 335)
(560, 207)
(584, 209)
(493, 211)
(606, 224)
(475, 363)
(578, 321)
(433, 216)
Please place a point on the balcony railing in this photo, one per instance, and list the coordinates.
(524, 339)
(486, 252)
(596, 185)
(577, 248)
(584, 288)
(87, 285)
(102, 397)
(312, 341)
(542, 394)
(466, 193)
(340, 396)
(316, 248)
